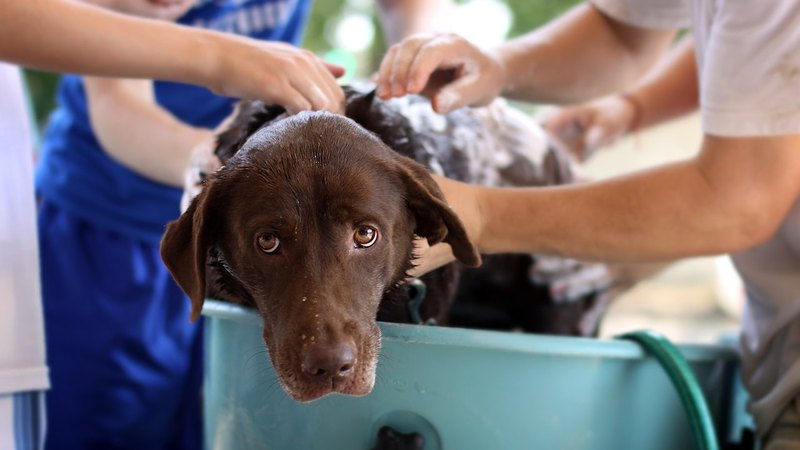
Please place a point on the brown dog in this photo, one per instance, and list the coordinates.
(312, 217)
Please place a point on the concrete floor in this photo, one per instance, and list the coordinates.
(693, 300)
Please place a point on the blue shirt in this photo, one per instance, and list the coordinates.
(77, 175)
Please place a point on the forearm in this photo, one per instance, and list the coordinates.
(403, 18)
(138, 133)
(671, 90)
(579, 56)
(732, 196)
(86, 39)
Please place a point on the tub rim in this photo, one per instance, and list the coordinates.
(514, 342)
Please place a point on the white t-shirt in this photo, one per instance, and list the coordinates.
(22, 354)
(748, 54)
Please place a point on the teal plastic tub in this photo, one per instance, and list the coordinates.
(462, 390)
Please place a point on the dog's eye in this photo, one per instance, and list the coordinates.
(365, 236)
(268, 243)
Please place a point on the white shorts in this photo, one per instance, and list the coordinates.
(22, 421)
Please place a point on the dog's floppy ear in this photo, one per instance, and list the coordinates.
(184, 248)
(435, 220)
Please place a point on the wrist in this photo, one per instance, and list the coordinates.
(480, 200)
(635, 106)
(501, 73)
(207, 46)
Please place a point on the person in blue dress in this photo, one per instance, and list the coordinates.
(126, 363)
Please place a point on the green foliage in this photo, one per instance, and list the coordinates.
(42, 90)
(529, 15)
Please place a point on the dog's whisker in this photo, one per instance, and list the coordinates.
(252, 358)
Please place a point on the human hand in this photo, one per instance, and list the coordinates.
(585, 128)
(446, 68)
(464, 199)
(274, 72)
(153, 9)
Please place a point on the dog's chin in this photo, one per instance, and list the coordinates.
(303, 388)
(307, 393)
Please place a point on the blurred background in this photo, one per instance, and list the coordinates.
(696, 300)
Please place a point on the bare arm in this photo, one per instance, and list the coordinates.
(136, 132)
(580, 55)
(671, 90)
(730, 197)
(402, 18)
(667, 92)
(86, 39)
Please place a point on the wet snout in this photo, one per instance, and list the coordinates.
(332, 361)
(324, 354)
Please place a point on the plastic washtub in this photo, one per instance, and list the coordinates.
(462, 390)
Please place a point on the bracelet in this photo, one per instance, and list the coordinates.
(637, 110)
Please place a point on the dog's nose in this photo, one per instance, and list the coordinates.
(329, 361)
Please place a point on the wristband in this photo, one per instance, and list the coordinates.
(637, 110)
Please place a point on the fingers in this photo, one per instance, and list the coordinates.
(335, 70)
(332, 95)
(445, 67)
(459, 93)
(569, 125)
(407, 66)
(564, 120)
(429, 258)
(442, 53)
(394, 71)
(310, 85)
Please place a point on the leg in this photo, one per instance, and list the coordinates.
(122, 353)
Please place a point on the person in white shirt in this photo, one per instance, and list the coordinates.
(738, 195)
(127, 47)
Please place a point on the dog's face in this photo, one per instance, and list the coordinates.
(311, 222)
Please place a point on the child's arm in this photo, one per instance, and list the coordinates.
(134, 130)
(81, 38)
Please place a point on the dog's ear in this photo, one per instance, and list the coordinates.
(435, 220)
(184, 247)
(248, 118)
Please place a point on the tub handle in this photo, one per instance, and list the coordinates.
(391, 439)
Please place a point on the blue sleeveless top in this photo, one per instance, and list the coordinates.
(77, 175)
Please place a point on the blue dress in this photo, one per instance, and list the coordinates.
(125, 363)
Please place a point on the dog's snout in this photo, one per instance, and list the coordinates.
(329, 361)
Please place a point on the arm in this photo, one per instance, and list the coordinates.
(671, 90)
(138, 133)
(403, 18)
(578, 56)
(730, 197)
(140, 48)
(667, 92)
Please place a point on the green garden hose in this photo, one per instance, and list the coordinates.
(683, 378)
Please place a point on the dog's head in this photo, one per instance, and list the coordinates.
(311, 221)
